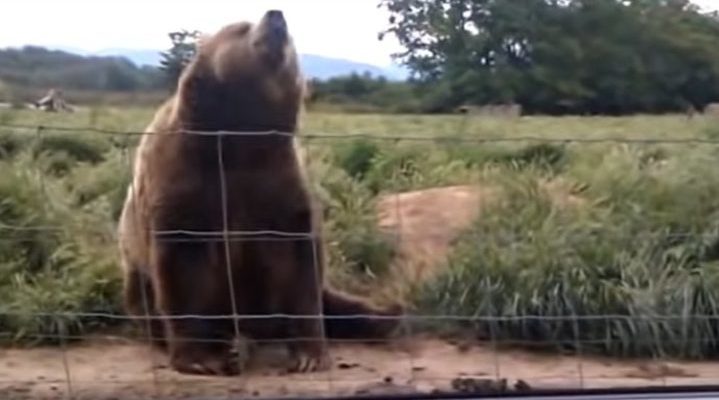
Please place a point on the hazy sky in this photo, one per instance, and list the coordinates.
(336, 28)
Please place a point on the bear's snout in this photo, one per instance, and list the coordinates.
(276, 21)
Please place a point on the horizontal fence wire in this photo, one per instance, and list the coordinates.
(411, 317)
(372, 136)
(10, 233)
(539, 342)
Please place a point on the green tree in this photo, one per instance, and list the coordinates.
(364, 91)
(176, 58)
(559, 56)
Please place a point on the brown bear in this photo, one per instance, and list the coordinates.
(220, 224)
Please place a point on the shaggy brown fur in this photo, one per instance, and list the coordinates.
(244, 78)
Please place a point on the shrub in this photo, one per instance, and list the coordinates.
(546, 156)
(106, 183)
(357, 249)
(355, 157)
(412, 167)
(56, 262)
(79, 147)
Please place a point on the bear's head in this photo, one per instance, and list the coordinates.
(245, 77)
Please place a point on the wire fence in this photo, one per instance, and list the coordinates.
(100, 355)
(374, 136)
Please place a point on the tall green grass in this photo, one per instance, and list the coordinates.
(641, 248)
(639, 242)
(56, 261)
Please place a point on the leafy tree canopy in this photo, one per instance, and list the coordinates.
(587, 56)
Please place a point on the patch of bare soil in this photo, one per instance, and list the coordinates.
(105, 368)
(426, 222)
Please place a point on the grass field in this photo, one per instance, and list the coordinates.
(641, 241)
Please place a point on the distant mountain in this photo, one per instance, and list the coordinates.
(315, 66)
(39, 67)
(139, 57)
(325, 67)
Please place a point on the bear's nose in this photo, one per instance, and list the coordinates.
(275, 14)
(276, 20)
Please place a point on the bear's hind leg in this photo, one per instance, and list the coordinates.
(308, 346)
(188, 291)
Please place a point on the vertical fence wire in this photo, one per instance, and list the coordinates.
(320, 307)
(579, 353)
(227, 250)
(59, 322)
(405, 323)
(319, 267)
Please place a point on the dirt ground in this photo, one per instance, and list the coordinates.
(105, 368)
(425, 223)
